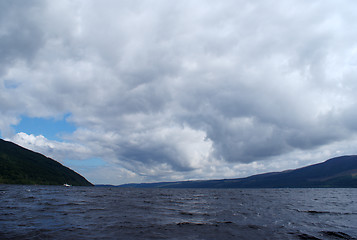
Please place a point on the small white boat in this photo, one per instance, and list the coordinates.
(67, 185)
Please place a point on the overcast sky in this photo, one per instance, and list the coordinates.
(142, 91)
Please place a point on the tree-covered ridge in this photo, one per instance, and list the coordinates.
(22, 166)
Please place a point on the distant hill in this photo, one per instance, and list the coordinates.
(339, 172)
(22, 166)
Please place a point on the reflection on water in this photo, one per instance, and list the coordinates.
(37, 212)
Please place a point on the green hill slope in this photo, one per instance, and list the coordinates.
(22, 166)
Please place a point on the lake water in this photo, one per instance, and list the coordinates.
(56, 212)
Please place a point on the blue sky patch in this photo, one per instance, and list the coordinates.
(10, 84)
(48, 127)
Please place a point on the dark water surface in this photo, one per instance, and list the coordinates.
(50, 212)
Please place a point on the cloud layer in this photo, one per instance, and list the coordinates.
(183, 90)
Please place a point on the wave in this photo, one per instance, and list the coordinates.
(326, 212)
(338, 235)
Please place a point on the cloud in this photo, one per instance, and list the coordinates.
(20, 32)
(186, 89)
(55, 149)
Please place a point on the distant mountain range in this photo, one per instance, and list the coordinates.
(22, 166)
(19, 165)
(339, 172)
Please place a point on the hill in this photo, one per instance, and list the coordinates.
(339, 172)
(19, 165)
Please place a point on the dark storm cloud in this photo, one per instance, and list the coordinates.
(186, 89)
(20, 33)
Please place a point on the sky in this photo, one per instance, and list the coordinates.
(143, 91)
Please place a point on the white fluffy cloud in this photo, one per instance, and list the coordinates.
(55, 149)
(183, 90)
